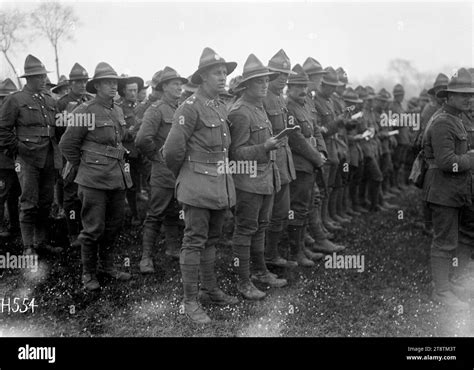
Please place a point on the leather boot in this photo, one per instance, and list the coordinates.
(27, 234)
(89, 266)
(440, 270)
(347, 212)
(173, 240)
(150, 234)
(333, 207)
(106, 264)
(132, 204)
(327, 222)
(295, 236)
(245, 286)
(41, 236)
(272, 256)
(327, 247)
(210, 292)
(190, 278)
(340, 207)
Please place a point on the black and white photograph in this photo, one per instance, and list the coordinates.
(227, 169)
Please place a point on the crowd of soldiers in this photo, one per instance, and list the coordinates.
(286, 152)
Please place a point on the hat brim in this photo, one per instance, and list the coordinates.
(316, 73)
(435, 89)
(159, 85)
(335, 84)
(464, 90)
(358, 101)
(196, 78)
(79, 79)
(271, 75)
(59, 87)
(90, 84)
(288, 71)
(35, 73)
(298, 83)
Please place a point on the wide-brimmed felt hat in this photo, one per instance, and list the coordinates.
(361, 92)
(424, 95)
(461, 82)
(62, 82)
(330, 78)
(33, 67)
(254, 68)
(234, 85)
(351, 96)
(7, 86)
(370, 92)
(190, 86)
(209, 58)
(102, 71)
(280, 62)
(312, 67)
(440, 83)
(155, 79)
(169, 74)
(126, 80)
(49, 84)
(300, 77)
(383, 95)
(78, 72)
(342, 75)
(398, 90)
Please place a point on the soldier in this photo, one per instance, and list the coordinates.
(163, 206)
(253, 147)
(400, 171)
(331, 123)
(199, 138)
(62, 88)
(77, 95)
(275, 108)
(372, 176)
(307, 160)
(152, 98)
(188, 90)
(27, 120)
(9, 186)
(128, 88)
(448, 188)
(97, 164)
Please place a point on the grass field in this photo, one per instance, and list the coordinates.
(389, 298)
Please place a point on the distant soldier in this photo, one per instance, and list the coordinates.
(9, 186)
(276, 110)
(27, 133)
(253, 147)
(77, 95)
(128, 88)
(163, 208)
(62, 88)
(98, 167)
(155, 95)
(198, 141)
(448, 189)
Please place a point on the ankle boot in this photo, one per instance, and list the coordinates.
(106, 264)
(327, 222)
(272, 255)
(150, 234)
(440, 270)
(190, 278)
(173, 240)
(89, 266)
(295, 235)
(333, 207)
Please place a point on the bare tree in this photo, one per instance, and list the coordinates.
(12, 25)
(57, 22)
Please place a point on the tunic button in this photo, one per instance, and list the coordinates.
(213, 125)
(205, 171)
(222, 120)
(42, 107)
(225, 149)
(225, 134)
(45, 115)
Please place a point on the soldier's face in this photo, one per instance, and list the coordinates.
(369, 103)
(279, 83)
(215, 78)
(78, 87)
(298, 92)
(315, 82)
(340, 89)
(327, 90)
(131, 92)
(37, 82)
(399, 97)
(141, 95)
(173, 88)
(461, 101)
(107, 88)
(257, 88)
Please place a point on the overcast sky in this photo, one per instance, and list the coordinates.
(139, 38)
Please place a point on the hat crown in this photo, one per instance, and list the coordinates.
(104, 70)
(441, 80)
(300, 76)
(253, 66)
(342, 75)
(209, 57)
(169, 73)
(62, 79)
(330, 76)
(350, 94)
(461, 79)
(234, 83)
(33, 66)
(78, 72)
(398, 88)
(280, 61)
(9, 85)
(361, 92)
(156, 78)
(312, 66)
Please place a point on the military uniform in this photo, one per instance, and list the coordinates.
(27, 131)
(163, 206)
(98, 167)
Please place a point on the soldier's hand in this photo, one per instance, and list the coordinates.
(273, 143)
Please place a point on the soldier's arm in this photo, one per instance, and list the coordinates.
(300, 146)
(148, 129)
(8, 115)
(72, 139)
(443, 140)
(240, 135)
(184, 123)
